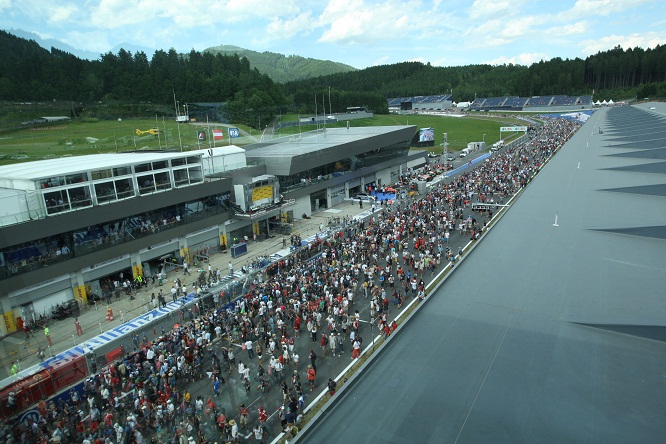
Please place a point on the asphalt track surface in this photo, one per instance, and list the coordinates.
(550, 330)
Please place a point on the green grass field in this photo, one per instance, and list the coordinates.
(460, 130)
(73, 138)
(78, 137)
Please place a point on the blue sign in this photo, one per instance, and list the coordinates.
(234, 132)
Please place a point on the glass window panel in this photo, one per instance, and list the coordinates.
(124, 188)
(101, 174)
(142, 167)
(146, 183)
(76, 178)
(105, 192)
(162, 181)
(122, 171)
(181, 177)
(79, 197)
(56, 201)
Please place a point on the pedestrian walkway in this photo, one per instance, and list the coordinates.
(93, 318)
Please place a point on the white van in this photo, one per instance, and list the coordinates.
(465, 152)
(497, 145)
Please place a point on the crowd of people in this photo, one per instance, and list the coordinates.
(315, 299)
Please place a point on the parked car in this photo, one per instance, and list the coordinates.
(451, 158)
(365, 197)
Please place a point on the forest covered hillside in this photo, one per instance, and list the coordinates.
(284, 68)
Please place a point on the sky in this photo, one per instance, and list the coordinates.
(359, 33)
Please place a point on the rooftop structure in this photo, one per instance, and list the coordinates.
(528, 353)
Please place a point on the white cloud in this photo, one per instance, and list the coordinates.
(568, 29)
(384, 60)
(526, 59)
(481, 9)
(302, 24)
(5, 4)
(586, 8)
(62, 14)
(109, 14)
(642, 40)
(523, 26)
(355, 22)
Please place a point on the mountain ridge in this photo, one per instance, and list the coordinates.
(279, 67)
(284, 68)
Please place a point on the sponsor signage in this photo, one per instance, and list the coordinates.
(512, 129)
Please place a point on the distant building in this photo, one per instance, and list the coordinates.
(410, 105)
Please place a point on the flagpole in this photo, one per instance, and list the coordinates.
(208, 128)
(166, 139)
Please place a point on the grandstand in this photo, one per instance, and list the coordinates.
(536, 103)
(420, 103)
(477, 103)
(494, 102)
(539, 101)
(406, 105)
(515, 102)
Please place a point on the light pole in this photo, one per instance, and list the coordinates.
(484, 138)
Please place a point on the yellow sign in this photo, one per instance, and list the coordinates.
(185, 254)
(260, 193)
(10, 321)
(81, 293)
(137, 270)
(223, 239)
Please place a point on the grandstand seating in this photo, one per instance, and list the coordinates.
(396, 101)
(497, 103)
(477, 103)
(493, 102)
(563, 100)
(539, 101)
(515, 102)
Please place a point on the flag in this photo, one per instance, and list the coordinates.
(201, 136)
(234, 132)
(218, 134)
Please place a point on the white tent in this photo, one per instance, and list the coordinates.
(610, 102)
(604, 103)
(598, 102)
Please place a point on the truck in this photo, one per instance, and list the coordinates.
(465, 151)
(497, 145)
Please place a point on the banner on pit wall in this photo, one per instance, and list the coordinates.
(81, 294)
(10, 322)
(184, 252)
(137, 270)
(255, 227)
(223, 239)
